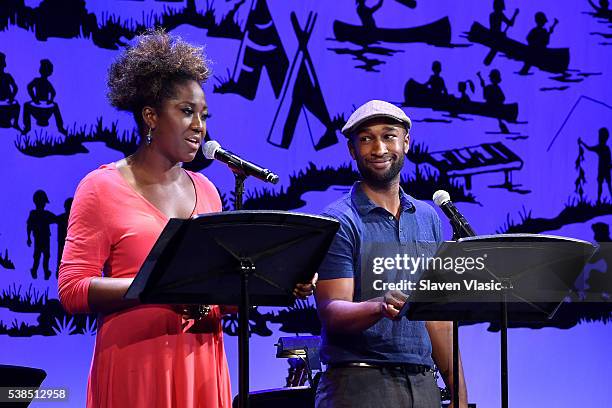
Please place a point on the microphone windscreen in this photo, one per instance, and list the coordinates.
(440, 197)
(210, 148)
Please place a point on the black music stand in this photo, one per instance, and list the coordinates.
(533, 274)
(237, 257)
(20, 377)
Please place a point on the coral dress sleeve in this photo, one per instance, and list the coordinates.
(86, 250)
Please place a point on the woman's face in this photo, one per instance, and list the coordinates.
(180, 123)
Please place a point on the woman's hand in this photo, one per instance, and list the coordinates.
(303, 290)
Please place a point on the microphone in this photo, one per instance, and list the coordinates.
(461, 228)
(213, 150)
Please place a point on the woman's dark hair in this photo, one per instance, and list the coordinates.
(146, 73)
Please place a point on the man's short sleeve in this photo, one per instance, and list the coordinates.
(438, 228)
(340, 259)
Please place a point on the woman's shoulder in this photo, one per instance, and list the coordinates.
(102, 178)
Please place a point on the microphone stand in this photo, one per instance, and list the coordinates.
(246, 269)
(239, 177)
(245, 306)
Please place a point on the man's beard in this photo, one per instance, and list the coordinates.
(380, 179)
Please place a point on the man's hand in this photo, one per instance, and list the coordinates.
(392, 303)
(303, 290)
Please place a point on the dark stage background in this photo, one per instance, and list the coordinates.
(283, 86)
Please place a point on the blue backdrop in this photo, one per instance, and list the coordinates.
(496, 122)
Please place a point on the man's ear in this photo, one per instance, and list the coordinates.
(351, 148)
(149, 116)
(406, 142)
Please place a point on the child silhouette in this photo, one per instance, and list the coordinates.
(38, 224)
(604, 161)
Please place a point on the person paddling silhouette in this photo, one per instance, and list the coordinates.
(436, 82)
(538, 38)
(494, 95)
(366, 14)
(497, 17)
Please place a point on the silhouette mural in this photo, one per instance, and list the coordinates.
(42, 105)
(5, 261)
(306, 96)
(287, 75)
(595, 283)
(261, 47)
(38, 227)
(9, 107)
(604, 161)
(602, 9)
(535, 53)
(62, 229)
(434, 95)
(368, 34)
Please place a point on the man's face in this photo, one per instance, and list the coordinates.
(378, 147)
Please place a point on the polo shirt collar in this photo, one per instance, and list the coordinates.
(364, 205)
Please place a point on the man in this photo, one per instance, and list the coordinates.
(494, 95)
(42, 93)
(366, 14)
(374, 359)
(604, 163)
(538, 39)
(497, 17)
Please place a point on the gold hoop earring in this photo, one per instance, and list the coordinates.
(149, 137)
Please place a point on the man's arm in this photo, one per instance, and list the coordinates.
(29, 229)
(338, 313)
(51, 92)
(31, 91)
(441, 335)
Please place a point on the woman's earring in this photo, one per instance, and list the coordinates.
(149, 137)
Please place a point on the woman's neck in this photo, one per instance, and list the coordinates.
(151, 167)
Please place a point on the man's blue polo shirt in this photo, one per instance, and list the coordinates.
(362, 223)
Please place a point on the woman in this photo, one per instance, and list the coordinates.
(144, 354)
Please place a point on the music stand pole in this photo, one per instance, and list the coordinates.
(243, 309)
(455, 363)
(204, 259)
(504, 345)
(243, 333)
(458, 233)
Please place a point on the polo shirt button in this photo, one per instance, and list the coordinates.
(390, 217)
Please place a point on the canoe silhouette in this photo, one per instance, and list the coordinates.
(420, 96)
(436, 33)
(548, 59)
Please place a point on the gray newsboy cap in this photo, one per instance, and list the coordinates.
(375, 109)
